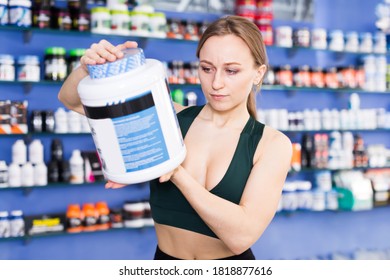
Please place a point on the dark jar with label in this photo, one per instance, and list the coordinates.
(64, 20)
(55, 64)
(74, 58)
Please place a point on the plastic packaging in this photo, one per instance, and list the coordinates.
(61, 121)
(19, 152)
(27, 172)
(3, 174)
(3, 12)
(76, 168)
(100, 20)
(28, 68)
(35, 151)
(40, 174)
(20, 13)
(14, 175)
(7, 68)
(5, 227)
(17, 223)
(132, 119)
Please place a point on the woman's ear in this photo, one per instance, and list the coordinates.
(260, 74)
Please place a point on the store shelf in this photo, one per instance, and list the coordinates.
(28, 190)
(335, 170)
(28, 31)
(39, 134)
(28, 85)
(27, 238)
(341, 130)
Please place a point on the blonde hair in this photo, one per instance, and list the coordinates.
(250, 34)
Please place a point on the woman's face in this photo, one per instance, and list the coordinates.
(227, 72)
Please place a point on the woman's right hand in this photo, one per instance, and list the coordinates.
(104, 51)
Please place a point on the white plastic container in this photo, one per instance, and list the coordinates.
(76, 163)
(19, 152)
(61, 121)
(35, 152)
(14, 175)
(27, 171)
(3, 12)
(40, 174)
(20, 13)
(132, 119)
(3, 174)
(100, 20)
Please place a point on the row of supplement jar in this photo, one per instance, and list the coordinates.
(27, 68)
(56, 64)
(15, 13)
(304, 76)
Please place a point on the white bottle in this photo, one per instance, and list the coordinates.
(19, 152)
(5, 227)
(74, 122)
(27, 172)
(35, 152)
(3, 174)
(14, 175)
(17, 223)
(76, 168)
(40, 174)
(61, 121)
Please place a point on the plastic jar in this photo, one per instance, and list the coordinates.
(283, 36)
(28, 68)
(3, 12)
(55, 64)
(158, 25)
(120, 22)
(352, 42)
(133, 124)
(319, 38)
(74, 58)
(64, 20)
(20, 13)
(336, 42)
(100, 20)
(301, 37)
(140, 23)
(7, 68)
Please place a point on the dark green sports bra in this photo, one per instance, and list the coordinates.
(169, 206)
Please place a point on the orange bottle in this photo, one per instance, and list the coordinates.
(103, 222)
(74, 219)
(90, 217)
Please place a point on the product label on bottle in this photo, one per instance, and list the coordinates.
(138, 132)
(141, 140)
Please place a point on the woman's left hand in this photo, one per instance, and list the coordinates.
(113, 185)
(168, 176)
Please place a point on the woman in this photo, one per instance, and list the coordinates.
(219, 201)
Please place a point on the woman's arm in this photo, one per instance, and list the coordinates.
(239, 226)
(98, 53)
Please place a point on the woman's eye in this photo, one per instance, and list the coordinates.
(231, 71)
(206, 69)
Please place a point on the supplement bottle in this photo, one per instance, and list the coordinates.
(5, 227)
(132, 119)
(17, 223)
(3, 174)
(76, 168)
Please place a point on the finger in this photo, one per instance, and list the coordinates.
(103, 51)
(91, 55)
(127, 45)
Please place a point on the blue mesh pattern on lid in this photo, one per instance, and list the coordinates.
(132, 59)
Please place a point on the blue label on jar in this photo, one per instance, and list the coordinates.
(141, 139)
(3, 14)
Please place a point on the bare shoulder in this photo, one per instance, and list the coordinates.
(274, 143)
(178, 107)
